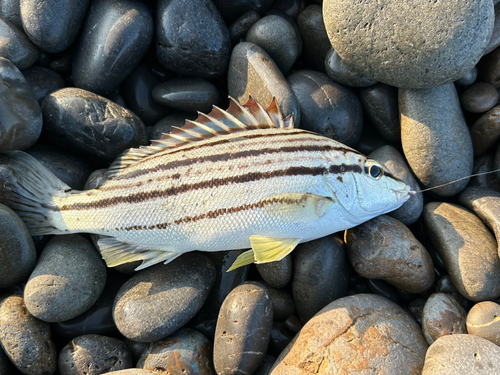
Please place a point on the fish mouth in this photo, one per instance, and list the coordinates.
(402, 195)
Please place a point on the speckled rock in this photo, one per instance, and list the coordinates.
(435, 137)
(340, 72)
(377, 39)
(277, 274)
(320, 275)
(67, 280)
(468, 249)
(20, 115)
(94, 355)
(16, 46)
(482, 321)
(243, 329)
(485, 131)
(363, 333)
(442, 315)
(186, 351)
(462, 354)
(253, 72)
(25, 339)
(184, 284)
(17, 250)
(327, 107)
(479, 97)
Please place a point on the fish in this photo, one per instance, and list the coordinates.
(241, 178)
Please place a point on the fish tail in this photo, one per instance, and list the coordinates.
(31, 194)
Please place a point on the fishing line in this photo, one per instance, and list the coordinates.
(452, 182)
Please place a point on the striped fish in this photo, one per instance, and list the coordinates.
(244, 178)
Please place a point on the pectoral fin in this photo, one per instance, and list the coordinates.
(272, 249)
(242, 260)
(297, 206)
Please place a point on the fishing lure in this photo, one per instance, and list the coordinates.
(243, 178)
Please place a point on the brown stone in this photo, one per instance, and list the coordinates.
(488, 69)
(483, 320)
(479, 97)
(485, 131)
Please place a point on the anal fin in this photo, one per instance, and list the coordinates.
(272, 249)
(242, 260)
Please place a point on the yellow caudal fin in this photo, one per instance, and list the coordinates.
(242, 260)
(272, 249)
(297, 206)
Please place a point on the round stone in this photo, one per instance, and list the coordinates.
(482, 321)
(16, 46)
(442, 315)
(363, 333)
(340, 72)
(283, 304)
(240, 27)
(468, 79)
(277, 274)
(485, 131)
(479, 97)
(377, 40)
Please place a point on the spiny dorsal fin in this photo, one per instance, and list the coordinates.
(236, 118)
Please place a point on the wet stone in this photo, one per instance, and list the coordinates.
(435, 137)
(485, 131)
(192, 38)
(479, 97)
(253, 72)
(184, 284)
(25, 339)
(367, 43)
(320, 275)
(20, 115)
(468, 79)
(243, 329)
(238, 30)
(277, 274)
(327, 107)
(114, 38)
(278, 38)
(186, 351)
(233, 9)
(94, 355)
(16, 46)
(340, 72)
(53, 34)
(364, 328)
(488, 69)
(442, 315)
(81, 121)
(462, 354)
(67, 280)
(468, 249)
(42, 81)
(188, 94)
(17, 250)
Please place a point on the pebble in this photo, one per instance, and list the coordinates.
(102, 58)
(468, 249)
(282, 301)
(462, 354)
(395, 163)
(416, 307)
(384, 248)
(327, 107)
(188, 94)
(185, 352)
(17, 250)
(20, 115)
(243, 329)
(68, 279)
(11, 11)
(340, 72)
(495, 35)
(290, 7)
(53, 34)
(479, 97)
(94, 355)
(25, 339)
(314, 37)
(384, 289)
(485, 163)
(488, 69)
(81, 121)
(482, 321)
(293, 324)
(280, 338)
(320, 275)
(42, 81)
(16, 46)
(253, 72)
(445, 285)
(183, 285)
(233, 9)
(363, 333)
(276, 274)
(442, 315)
(380, 103)
(192, 38)
(485, 131)
(278, 38)
(379, 42)
(435, 138)
(468, 79)
(238, 30)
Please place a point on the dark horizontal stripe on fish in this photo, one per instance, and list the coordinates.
(216, 182)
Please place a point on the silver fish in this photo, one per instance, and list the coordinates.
(236, 179)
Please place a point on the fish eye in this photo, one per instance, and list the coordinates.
(374, 171)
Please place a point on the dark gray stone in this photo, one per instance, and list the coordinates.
(278, 38)
(435, 137)
(291, 8)
(253, 72)
(327, 107)
(43, 81)
(482, 164)
(25, 339)
(183, 285)
(340, 72)
(240, 27)
(320, 275)
(233, 9)
(166, 124)
(114, 38)
(16, 46)
(410, 45)
(265, 366)
(53, 24)
(488, 69)
(277, 274)
(469, 78)
(67, 280)
(479, 97)
(17, 250)
(20, 115)
(485, 131)
(283, 304)
(81, 121)
(192, 38)
(10, 10)
(280, 338)
(482, 321)
(243, 329)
